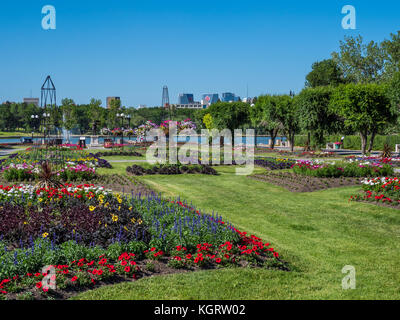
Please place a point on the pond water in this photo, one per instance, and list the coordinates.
(75, 139)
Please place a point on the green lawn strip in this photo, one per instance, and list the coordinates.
(318, 233)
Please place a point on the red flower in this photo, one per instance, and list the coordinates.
(127, 269)
(73, 279)
(218, 260)
(38, 285)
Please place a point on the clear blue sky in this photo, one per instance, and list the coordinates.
(131, 48)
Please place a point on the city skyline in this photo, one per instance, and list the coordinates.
(131, 49)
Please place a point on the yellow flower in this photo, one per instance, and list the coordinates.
(114, 218)
(44, 235)
(91, 208)
(40, 199)
(25, 222)
(133, 220)
(130, 208)
(140, 221)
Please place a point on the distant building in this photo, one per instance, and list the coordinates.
(142, 106)
(185, 98)
(193, 105)
(229, 97)
(248, 100)
(109, 99)
(209, 99)
(34, 101)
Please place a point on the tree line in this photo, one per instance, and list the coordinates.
(357, 90)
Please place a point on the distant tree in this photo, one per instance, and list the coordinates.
(315, 116)
(208, 121)
(229, 115)
(392, 54)
(324, 73)
(288, 117)
(68, 115)
(365, 108)
(264, 114)
(360, 62)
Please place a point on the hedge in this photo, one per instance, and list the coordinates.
(354, 141)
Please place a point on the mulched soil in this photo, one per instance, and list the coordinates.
(122, 183)
(299, 183)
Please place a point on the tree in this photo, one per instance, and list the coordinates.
(360, 62)
(394, 91)
(365, 108)
(324, 73)
(68, 115)
(315, 115)
(228, 115)
(208, 121)
(264, 114)
(392, 54)
(288, 117)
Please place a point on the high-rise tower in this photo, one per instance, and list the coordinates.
(165, 97)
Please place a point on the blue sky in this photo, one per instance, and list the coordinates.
(131, 48)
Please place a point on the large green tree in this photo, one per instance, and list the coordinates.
(365, 108)
(264, 114)
(288, 116)
(324, 73)
(391, 48)
(360, 62)
(315, 116)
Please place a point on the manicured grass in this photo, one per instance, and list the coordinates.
(14, 134)
(318, 233)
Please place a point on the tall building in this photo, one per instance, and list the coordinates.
(228, 97)
(185, 98)
(34, 101)
(208, 99)
(109, 99)
(165, 97)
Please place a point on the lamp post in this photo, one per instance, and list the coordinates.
(35, 119)
(128, 116)
(46, 116)
(121, 116)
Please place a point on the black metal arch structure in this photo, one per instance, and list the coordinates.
(48, 96)
(48, 102)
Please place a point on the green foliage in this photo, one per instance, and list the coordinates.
(353, 141)
(365, 108)
(208, 121)
(229, 115)
(324, 73)
(392, 51)
(360, 62)
(314, 113)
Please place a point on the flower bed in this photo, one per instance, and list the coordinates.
(274, 163)
(302, 183)
(171, 169)
(342, 169)
(380, 190)
(394, 161)
(90, 234)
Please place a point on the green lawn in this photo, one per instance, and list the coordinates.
(318, 233)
